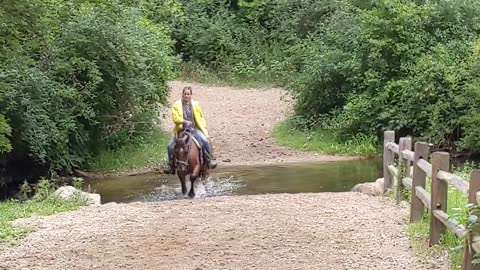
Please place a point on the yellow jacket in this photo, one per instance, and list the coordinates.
(177, 117)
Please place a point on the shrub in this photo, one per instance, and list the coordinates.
(78, 76)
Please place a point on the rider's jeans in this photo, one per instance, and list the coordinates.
(198, 135)
(203, 139)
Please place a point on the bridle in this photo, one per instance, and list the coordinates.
(182, 162)
(188, 132)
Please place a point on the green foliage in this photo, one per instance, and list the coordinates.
(248, 40)
(465, 170)
(409, 77)
(419, 234)
(77, 182)
(324, 141)
(77, 76)
(25, 190)
(149, 151)
(459, 210)
(357, 67)
(5, 130)
(44, 188)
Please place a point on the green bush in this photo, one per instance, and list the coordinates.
(358, 67)
(5, 131)
(78, 76)
(403, 74)
(249, 40)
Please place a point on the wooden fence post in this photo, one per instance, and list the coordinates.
(472, 198)
(418, 179)
(405, 143)
(388, 136)
(440, 161)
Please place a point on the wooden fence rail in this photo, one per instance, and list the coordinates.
(437, 167)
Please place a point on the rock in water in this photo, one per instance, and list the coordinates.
(372, 189)
(68, 192)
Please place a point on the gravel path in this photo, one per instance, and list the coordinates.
(285, 231)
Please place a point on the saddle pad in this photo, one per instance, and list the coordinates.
(196, 142)
(199, 147)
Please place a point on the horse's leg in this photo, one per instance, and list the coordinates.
(191, 194)
(193, 177)
(205, 171)
(184, 186)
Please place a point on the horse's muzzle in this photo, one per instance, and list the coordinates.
(182, 166)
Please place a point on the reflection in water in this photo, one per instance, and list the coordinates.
(332, 176)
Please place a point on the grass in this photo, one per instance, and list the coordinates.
(418, 232)
(201, 74)
(324, 141)
(418, 236)
(150, 151)
(40, 205)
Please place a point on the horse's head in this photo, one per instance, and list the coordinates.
(182, 149)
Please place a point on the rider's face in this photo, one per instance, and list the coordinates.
(187, 96)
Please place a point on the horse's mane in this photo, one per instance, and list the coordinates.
(184, 137)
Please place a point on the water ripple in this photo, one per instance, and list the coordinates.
(209, 188)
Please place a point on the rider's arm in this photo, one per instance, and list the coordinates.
(177, 115)
(201, 120)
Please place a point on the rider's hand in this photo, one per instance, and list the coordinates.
(187, 123)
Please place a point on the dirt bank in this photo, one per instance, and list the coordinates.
(301, 231)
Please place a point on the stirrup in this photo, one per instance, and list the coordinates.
(211, 164)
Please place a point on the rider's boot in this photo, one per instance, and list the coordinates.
(170, 169)
(212, 164)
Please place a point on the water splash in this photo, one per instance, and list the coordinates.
(222, 186)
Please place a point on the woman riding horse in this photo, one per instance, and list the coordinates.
(187, 113)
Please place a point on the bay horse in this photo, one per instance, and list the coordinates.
(188, 156)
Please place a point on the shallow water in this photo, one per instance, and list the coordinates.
(334, 176)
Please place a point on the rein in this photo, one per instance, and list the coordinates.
(187, 148)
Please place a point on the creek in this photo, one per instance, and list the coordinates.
(332, 176)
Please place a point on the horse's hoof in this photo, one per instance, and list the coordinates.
(191, 195)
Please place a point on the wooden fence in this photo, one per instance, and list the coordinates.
(437, 167)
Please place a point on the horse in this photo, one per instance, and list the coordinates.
(187, 159)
